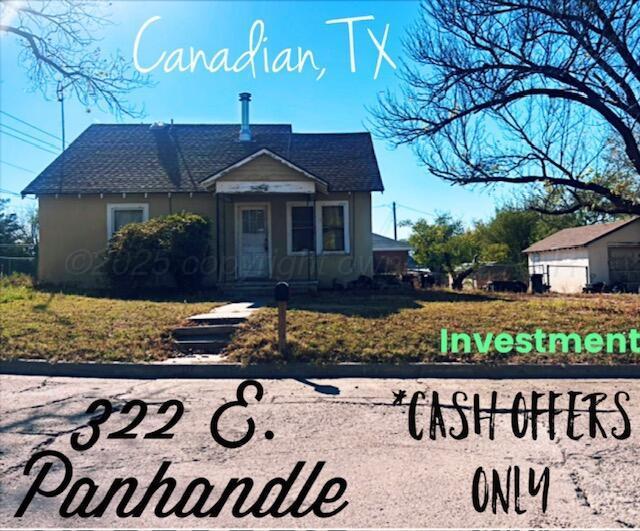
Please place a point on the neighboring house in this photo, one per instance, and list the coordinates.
(572, 258)
(389, 256)
(284, 205)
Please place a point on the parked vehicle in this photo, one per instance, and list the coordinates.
(602, 287)
(514, 286)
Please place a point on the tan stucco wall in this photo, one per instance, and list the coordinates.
(264, 168)
(73, 231)
(344, 268)
(73, 235)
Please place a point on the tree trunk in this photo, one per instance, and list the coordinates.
(457, 279)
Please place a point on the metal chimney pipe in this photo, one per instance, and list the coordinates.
(245, 129)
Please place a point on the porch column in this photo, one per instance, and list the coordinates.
(218, 247)
(315, 246)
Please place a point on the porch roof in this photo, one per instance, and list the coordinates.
(316, 182)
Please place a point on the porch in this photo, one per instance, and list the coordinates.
(275, 222)
(306, 240)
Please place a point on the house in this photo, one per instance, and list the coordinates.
(572, 258)
(284, 205)
(389, 256)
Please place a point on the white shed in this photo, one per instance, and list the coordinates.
(572, 258)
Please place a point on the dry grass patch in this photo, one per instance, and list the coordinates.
(406, 327)
(58, 326)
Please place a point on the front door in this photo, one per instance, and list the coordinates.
(253, 244)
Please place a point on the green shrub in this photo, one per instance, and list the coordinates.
(15, 287)
(143, 254)
(16, 280)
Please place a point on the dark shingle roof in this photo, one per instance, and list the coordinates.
(577, 237)
(382, 243)
(138, 158)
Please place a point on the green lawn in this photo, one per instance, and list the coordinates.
(58, 326)
(326, 327)
(396, 327)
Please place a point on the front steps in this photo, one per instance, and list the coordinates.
(203, 339)
(212, 331)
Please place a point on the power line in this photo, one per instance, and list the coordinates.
(387, 223)
(16, 166)
(28, 142)
(390, 205)
(30, 125)
(29, 136)
(415, 210)
(9, 192)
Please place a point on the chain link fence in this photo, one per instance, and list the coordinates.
(18, 258)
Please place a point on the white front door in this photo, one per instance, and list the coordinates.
(253, 242)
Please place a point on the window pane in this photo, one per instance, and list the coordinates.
(302, 229)
(253, 221)
(333, 239)
(124, 217)
(302, 240)
(333, 216)
(302, 216)
(333, 228)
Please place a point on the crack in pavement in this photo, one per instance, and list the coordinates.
(53, 436)
(35, 387)
(40, 446)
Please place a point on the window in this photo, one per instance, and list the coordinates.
(333, 226)
(300, 237)
(326, 230)
(119, 215)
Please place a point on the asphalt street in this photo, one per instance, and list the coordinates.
(392, 479)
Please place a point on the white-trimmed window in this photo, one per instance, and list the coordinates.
(300, 228)
(121, 214)
(332, 227)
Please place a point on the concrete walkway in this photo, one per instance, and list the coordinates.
(234, 310)
(212, 332)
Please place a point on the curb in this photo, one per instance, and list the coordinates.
(151, 371)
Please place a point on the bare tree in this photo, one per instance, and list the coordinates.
(539, 93)
(60, 48)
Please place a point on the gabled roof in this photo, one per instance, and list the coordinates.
(382, 243)
(177, 158)
(578, 236)
(266, 152)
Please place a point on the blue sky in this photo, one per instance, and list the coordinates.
(336, 103)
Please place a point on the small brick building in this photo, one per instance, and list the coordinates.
(389, 256)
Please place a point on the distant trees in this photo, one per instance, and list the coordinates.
(18, 240)
(11, 231)
(515, 229)
(542, 94)
(445, 246)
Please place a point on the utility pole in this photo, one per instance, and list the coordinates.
(60, 95)
(395, 222)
